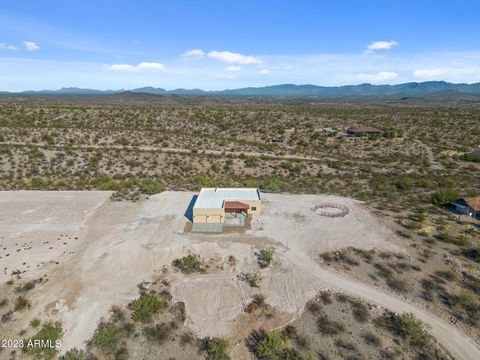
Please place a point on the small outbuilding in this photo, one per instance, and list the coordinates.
(364, 131)
(468, 205)
(219, 205)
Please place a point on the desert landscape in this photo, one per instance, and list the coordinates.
(97, 249)
(85, 253)
(239, 180)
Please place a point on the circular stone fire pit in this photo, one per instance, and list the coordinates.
(331, 210)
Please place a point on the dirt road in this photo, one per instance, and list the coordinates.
(180, 151)
(434, 164)
(455, 341)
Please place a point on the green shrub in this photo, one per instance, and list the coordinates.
(37, 182)
(314, 307)
(345, 345)
(123, 141)
(188, 264)
(251, 162)
(152, 187)
(371, 339)
(159, 333)
(457, 240)
(410, 329)
(108, 337)
(257, 302)
(21, 303)
(35, 323)
(145, 306)
(264, 257)
(404, 183)
(467, 306)
(333, 164)
(50, 332)
(271, 184)
(444, 196)
(74, 354)
(330, 327)
(215, 348)
(29, 285)
(186, 338)
(252, 279)
(397, 283)
(266, 346)
(360, 311)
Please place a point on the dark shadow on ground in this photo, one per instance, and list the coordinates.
(189, 213)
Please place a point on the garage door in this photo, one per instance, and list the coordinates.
(214, 219)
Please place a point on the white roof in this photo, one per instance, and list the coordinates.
(212, 198)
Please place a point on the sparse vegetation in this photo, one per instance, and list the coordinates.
(145, 306)
(108, 337)
(49, 333)
(265, 257)
(21, 303)
(189, 264)
(122, 146)
(215, 348)
(257, 303)
(330, 327)
(74, 354)
(252, 279)
(412, 330)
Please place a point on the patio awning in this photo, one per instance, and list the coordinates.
(235, 205)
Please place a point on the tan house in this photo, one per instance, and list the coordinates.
(221, 205)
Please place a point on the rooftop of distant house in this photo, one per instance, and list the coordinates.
(365, 129)
(474, 153)
(473, 202)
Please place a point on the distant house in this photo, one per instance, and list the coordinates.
(330, 131)
(364, 131)
(468, 205)
(472, 156)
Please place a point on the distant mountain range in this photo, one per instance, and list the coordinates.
(429, 88)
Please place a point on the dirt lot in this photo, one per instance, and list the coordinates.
(111, 247)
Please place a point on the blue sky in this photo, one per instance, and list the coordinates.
(229, 44)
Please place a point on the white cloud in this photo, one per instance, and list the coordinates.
(122, 68)
(467, 72)
(264, 71)
(378, 77)
(143, 66)
(195, 53)
(234, 58)
(31, 46)
(150, 66)
(381, 45)
(233, 68)
(5, 46)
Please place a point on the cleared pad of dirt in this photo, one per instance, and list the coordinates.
(40, 227)
(121, 244)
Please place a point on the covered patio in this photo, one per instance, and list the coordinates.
(235, 213)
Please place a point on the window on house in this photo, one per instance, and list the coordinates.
(253, 208)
